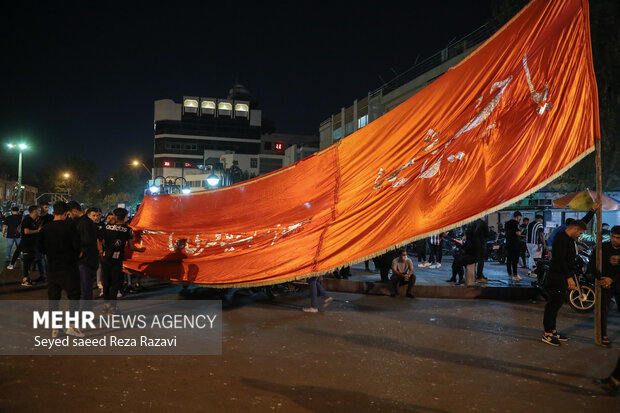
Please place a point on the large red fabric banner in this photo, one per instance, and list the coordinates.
(512, 116)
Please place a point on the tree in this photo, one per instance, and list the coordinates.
(604, 20)
(75, 176)
(126, 185)
(112, 200)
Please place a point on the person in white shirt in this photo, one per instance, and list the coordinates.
(402, 272)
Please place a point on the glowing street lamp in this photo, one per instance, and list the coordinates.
(136, 162)
(21, 147)
(213, 179)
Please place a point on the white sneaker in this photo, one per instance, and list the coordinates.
(438, 265)
(75, 332)
(9, 267)
(420, 265)
(432, 266)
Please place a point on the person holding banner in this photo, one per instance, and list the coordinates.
(609, 277)
(560, 278)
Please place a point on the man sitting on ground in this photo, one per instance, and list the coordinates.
(402, 271)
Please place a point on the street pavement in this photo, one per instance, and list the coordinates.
(363, 353)
(428, 276)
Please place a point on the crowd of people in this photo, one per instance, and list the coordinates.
(72, 249)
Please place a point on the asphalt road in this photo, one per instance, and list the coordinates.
(362, 354)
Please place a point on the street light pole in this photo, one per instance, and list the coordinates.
(19, 179)
(21, 148)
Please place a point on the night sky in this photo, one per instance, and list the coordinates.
(80, 78)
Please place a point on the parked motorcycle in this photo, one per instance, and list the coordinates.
(497, 249)
(582, 299)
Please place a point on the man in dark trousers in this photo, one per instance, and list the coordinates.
(30, 232)
(59, 241)
(114, 238)
(11, 233)
(609, 276)
(560, 278)
(88, 261)
(481, 234)
(513, 245)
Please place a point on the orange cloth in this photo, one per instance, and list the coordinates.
(516, 113)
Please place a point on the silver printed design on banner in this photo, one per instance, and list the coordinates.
(539, 97)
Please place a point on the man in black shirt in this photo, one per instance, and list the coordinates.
(30, 231)
(609, 276)
(513, 245)
(523, 244)
(114, 238)
(89, 254)
(59, 241)
(560, 278)
(11, 233)
(45, 217)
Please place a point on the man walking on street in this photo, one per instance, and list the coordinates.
(512, 245)
(30, 231)
(523, 243)
(115, 237)
(435, 242)
(88, 260)
(560, 278)
(59, 241)
(11, 233)
(402, 271)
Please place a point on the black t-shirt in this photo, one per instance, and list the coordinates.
(115, 238)
(60, 242)
(29, 241)
(88, 233)
(12, 222)
(562, 261)
(511, 227)
(46, 219)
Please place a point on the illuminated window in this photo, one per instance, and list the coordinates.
(241, 107)
(279, 146)
(207, 104)
(190, 103)
(361, 122)
(224, 106)
(166, 163)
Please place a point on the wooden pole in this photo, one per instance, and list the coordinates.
(599, 240)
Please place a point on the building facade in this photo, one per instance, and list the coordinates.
(200, 137)
(402, 87)
(8, 193)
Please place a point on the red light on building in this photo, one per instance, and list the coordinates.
(279, 146)
(188, 165)
(166, 163)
